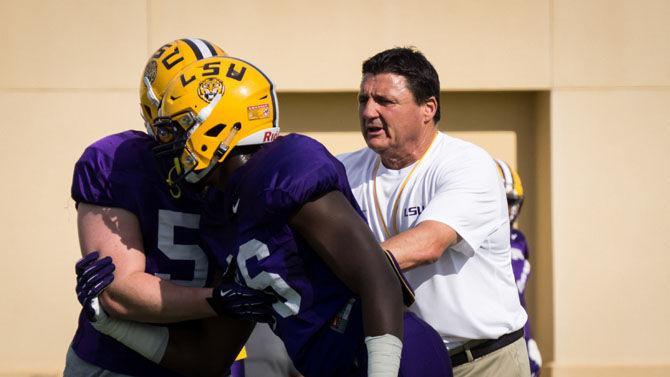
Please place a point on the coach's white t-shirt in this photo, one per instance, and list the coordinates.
(469, 293)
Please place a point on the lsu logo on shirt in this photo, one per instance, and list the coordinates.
(413, 211)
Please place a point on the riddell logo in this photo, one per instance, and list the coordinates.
(269, 136)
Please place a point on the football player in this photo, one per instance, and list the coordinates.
(281, 215)
(520, 254)
(126, 212)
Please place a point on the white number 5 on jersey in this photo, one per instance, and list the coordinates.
(167, 221)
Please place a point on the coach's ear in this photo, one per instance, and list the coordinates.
(428, 110)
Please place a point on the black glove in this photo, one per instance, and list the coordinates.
(93, 276)
(235, 300)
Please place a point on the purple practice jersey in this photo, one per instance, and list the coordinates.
(120, 171)
(521, 268)
(248, 224)
(317, 317)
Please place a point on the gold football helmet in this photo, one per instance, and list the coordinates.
(513, 189)
(163, 65)
(208, 109)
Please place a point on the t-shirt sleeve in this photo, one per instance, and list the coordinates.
(301, 176)
(96, 181)
(90, 181)
(469, 200)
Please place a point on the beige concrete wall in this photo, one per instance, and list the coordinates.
(100, 44)
(474, 44)
(610, 179)
(590, 140)
(42, 135)
(609, 183)
(541, 285)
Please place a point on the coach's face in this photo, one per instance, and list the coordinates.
(392, 123)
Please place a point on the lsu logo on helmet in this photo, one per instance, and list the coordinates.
(163, 65)
(209, 88)
(211, 107)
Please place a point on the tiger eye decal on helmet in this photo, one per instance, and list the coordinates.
(163, 65)
(228, 102)
(209, 88)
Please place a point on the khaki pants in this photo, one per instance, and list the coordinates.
(509, 361)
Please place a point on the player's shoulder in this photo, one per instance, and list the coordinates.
(113, 170)
(116, 162)
(120, 151)
(113, 142)
(287, 172)
(297, 146)
(293, 156)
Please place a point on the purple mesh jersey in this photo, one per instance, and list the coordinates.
(120, 171)
(521, 268)
(317, 317)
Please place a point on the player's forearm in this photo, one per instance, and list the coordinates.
(193, 348)
(421, 245)
(146, 298)
(383, 328)
(375, 282)
(359, 262)
(205, 347)
(382, 307)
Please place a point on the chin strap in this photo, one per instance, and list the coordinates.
(173, 184)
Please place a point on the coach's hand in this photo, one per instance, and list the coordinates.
(93, 276)
(235, 300)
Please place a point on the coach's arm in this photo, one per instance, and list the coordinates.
(423, 244)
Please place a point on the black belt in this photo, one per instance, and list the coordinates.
(479, 349)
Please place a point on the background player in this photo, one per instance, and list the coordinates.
(520, 254)
(125, 211)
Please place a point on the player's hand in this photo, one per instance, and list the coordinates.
(93, 276)
(235, 300)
